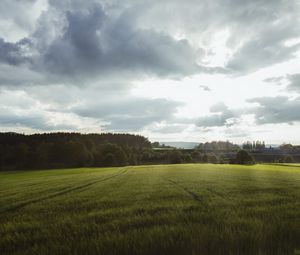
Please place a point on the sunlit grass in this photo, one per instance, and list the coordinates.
(167, 209)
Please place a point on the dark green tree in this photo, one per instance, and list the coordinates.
(188, 158)
(109, 160)
(205, 158)
(244, 158)
(212, 158)
(175, 157)
(21, 154)
(119, 157)
(288, 159)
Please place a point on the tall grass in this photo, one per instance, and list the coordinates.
(167, 209)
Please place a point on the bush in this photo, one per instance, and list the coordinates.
(109, 160)
(212, 158)
(244, 158)
(175, 157)
(110, 155)
(188, 158)
(288, 159)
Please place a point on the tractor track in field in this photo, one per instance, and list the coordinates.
(186, 190)
(216, 193)
(193, 194)
(62, 192)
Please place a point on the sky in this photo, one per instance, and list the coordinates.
(171, 70)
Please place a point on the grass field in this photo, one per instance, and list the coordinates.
(168, 209)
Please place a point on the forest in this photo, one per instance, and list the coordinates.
(59, 150)
(67, 150)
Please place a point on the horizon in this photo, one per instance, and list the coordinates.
(208, 72)
(167, 143)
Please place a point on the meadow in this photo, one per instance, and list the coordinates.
(162, 209)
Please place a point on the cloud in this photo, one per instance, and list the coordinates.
(36, 120)
(257, 32)
(266, 31)
(80, 45)
(236, 132)
(18, 18)
(77, 62)
(128, 113)
(219, 107)
(18, 76)
(17, 109)
(205, 88)
(266, 49)
(21, 111)
(294, 82)
(273, 110)
(169, 128)
(76, 108)
(267, 110)
(75, 42)
(222, 116)
(13, 53)
(92, 43)
(277, 80)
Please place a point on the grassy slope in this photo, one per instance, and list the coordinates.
(169, 209)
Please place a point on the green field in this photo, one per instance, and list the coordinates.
(168, 209)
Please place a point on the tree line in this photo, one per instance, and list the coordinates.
(218, 146)
(64, 150)
(59, 150)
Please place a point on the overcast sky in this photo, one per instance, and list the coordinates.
(171, 70)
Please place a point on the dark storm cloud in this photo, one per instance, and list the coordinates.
(14, 53)
(92, 43)
(272, 110)
(79, 42)
(88, 44)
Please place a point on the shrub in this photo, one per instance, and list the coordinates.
(175, 157)
(244, 158)
(288, 159)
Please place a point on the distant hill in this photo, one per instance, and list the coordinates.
(272, 145)
(191, 145)
(182, 145)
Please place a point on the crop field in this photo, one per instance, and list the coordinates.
(162, 209)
